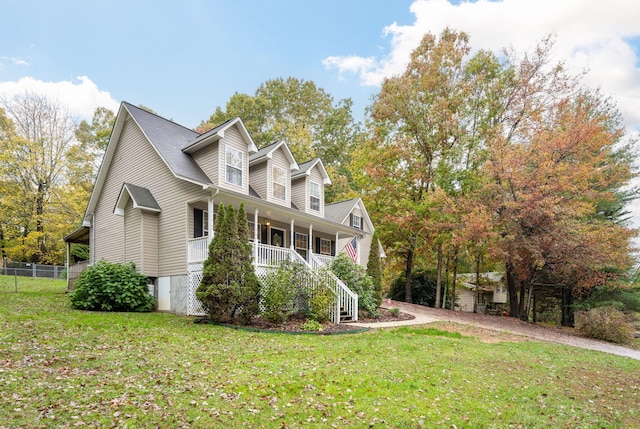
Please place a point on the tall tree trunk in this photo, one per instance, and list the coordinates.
(439, 277)
(567, 314)
(522, 299)
(455, 274)
(446, 281)
(512, 288)
(478, 261)
(407, 285)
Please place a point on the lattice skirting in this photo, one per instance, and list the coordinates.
(194, 307)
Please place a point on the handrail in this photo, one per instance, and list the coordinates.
(347, 299)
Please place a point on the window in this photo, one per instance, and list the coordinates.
(314, 196)
(252, 231)
(302, 244)
(201, 223)
(234, 166)
(279, 183)
(356, 221)
(325, 247)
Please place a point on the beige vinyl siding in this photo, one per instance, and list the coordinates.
(299, 193)
(279, 160)
(209, 161)
(233, 138)
(135, 161)
(149, 225)
(316, 176)
(465, 299)
(258, 179)
(132, 236)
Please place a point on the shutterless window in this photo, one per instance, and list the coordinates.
(314, 196)
(279, 183)
(301, 241)
(234, 166)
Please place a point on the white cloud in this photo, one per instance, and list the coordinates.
(80, 97)
(13, 60)
(590, 34)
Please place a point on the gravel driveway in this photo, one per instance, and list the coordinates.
(424, 315)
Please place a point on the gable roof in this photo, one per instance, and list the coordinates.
(267, 153)
(165, 137)
(142, 199)
(305, 170)
(217, 133)
(339, 211)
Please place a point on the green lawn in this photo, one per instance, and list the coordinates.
(66, 368)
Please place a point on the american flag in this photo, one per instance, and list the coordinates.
(352, 249)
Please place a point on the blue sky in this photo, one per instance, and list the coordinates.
(184, 58)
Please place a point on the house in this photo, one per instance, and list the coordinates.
(493, 290)
(160, 185)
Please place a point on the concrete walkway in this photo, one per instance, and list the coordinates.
(420, 317)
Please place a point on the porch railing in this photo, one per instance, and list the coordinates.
(347, 300)
(271, 256)
(267, 257)
(197, 249)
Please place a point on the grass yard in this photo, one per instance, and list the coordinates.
(66, 368)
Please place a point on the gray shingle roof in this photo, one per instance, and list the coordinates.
(338, 212)
(168, 138)
(142, 197)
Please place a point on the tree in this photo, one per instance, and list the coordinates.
(37, 137)
(374, 270)
(427, 140)
(553, 161)
(303, 115)
(229, 287)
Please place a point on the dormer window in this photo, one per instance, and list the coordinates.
(356, 221)
(314, 196)
(279, 183)
(234, 166)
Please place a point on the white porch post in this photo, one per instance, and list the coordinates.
(293, 245)
(210, 218)
(255, 238)
(310, 240)
(335, 253)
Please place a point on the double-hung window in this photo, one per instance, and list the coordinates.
(302, 244)
(325, 246)
(357, 222)
(234, 166)
(279, 183)
(314, 196)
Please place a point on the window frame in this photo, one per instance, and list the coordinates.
(356, 221)
(275, 183)
(228, 179)
(323, 242)
(312, 196)
(304, 249)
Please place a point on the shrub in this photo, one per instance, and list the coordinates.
(423, 288)
(312, 326)
(395, 311)
(112, 287)
(320, 302)
(356, 279)
(605, 323)
(279, 293)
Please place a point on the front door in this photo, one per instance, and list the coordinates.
(277, 237)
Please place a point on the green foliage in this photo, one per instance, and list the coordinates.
(320, 301)
(374, 270)
(112, 287)
(605, 323)
(312, 326)
(279, 293)
(423, 288)
(356, 279)
(395, 311)
(229, 288)
(624, 299)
